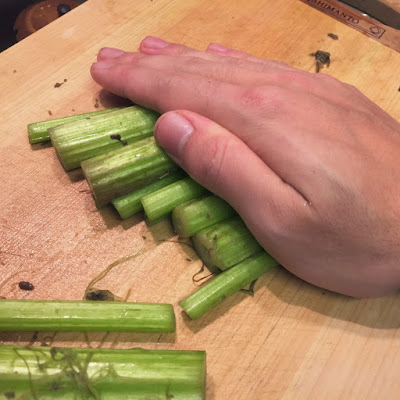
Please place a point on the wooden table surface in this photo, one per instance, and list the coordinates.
(291, 340)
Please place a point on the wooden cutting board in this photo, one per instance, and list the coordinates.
(291, 340)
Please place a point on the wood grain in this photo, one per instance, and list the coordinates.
(291, 340)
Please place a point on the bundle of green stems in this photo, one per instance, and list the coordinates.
(125, 166)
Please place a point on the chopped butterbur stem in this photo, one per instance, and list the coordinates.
(196, 215)
(126, 169)
(94, 373)
(226, 283)
(131, 204)
(80, 140)
(225, 244)
(159, 204)
(38, 131)
(85, 316)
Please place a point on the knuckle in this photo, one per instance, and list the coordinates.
(131, 58)
(211, 169)
(175, 49)
(191, 62)
(165, 86)
(287, 217)
(266, 101)
(122, 75)
(237, 54)
(168, 86)
(293, 76)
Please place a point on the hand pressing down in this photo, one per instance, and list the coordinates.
(310, 164)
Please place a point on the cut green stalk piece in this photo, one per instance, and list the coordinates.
(160, 203)
(127, 169)
(28, 372)
(37, 131)
(156, 221)
(77, 141)
(131, 204)
(228, 282)
(85, 316)
(190, 218)
(225, 244)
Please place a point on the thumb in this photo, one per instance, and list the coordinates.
(225, 165)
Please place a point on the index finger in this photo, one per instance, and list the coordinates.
(165, 89)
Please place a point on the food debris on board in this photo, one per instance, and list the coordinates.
(322, 58)
(100, 295)
(24, 285)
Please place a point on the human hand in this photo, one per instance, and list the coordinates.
(309, 163)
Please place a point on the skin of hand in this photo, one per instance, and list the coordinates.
(309, 163)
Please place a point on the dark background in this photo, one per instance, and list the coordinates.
(9, 10)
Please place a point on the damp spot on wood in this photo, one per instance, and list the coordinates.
(24, 285)
(333, 36)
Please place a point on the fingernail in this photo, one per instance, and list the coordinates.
(109, 52)
(218, 47)
(172, 131)
(102, 65)
(152, 42)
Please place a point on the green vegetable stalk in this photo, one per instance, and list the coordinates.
(127, 169)
(80, 140)
(159, 204)
(194, 216)
(131, 204)
(85, 316)
(37, 131)
(225, 284)
(225, 244)
(72, 373)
